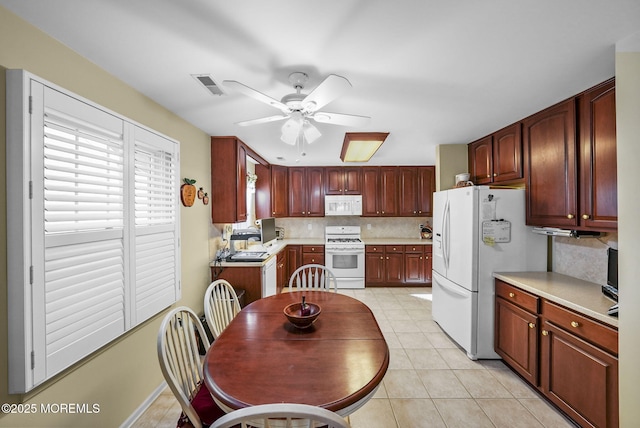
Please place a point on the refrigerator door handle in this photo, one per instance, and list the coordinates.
(445, 234)
(453, 290)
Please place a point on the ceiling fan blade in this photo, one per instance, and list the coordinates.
(256, 95)
(341, 119)
(261, 120)
(330, 89)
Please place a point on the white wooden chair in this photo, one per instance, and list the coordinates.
(313, 277)
(220, 306)
(181, 365)
(281, 415)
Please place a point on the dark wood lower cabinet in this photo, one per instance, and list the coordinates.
(571, 359)
(578, 377)
(397, 265)
(516, 341)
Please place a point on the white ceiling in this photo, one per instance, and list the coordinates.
(429, 72)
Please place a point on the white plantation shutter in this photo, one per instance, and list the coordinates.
(96, 235)
(82, 204)
(84, 300)
(156, 227)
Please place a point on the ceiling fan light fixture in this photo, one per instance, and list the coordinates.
(361, 146)
(310, 132)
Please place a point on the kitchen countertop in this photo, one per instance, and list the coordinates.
(282, 243)
(278, 246)
(396, 241)
(582, 296)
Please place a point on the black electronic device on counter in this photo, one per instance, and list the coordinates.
(611, 289)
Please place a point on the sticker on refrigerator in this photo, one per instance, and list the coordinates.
(488, 208)
(496, 232)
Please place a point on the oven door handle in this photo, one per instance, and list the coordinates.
(344, 253)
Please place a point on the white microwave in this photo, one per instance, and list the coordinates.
(342, 205)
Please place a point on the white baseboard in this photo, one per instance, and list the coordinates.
(144, 406)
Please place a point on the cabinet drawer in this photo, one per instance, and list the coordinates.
(374, 248)
(394, 248)
(586, 328)
(414, 249)
(313, 249)
(517, 296)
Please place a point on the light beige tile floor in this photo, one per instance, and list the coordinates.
(430, 381)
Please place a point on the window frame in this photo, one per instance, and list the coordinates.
(30, 364)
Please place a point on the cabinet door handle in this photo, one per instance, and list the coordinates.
(512, 295)
(495, 174)
(585, 216)
(570, 216)
(381, 258)
(545, 333)
(387, 258)
(488, 176)
(575, 324)
(532, 325)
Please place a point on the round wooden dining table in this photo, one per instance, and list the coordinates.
(337, 363)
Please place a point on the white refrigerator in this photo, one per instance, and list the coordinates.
(478, 231)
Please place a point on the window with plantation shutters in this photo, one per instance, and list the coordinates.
(155, 223)
(93, 227)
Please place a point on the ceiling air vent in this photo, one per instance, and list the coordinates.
(209, 83)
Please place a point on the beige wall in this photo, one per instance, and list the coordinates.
(628, 136)
(122, 375)
(451, 159)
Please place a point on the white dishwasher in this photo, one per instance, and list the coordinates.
(269, 278)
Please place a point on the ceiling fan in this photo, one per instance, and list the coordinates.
(299, 108)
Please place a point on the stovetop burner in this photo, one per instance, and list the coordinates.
(345, 240)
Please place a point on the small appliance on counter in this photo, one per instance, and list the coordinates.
(245, 235)
(425, 231)
(462, 180)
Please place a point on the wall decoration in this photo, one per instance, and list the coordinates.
(188, 192)
(205, 199)
(201, 193)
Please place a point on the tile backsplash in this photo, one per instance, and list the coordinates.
(372, 227)
(584, 258)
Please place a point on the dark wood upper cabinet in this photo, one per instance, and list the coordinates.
(388, 194)
(415, 193)
(426, 187)
(263, 191)
(598, 164)
(306, 192)
(343, 181)
(497, 158)
(370, 185)
(571, 176)
(228, 180)
(408, 191)
(550, 166)
(481, 160)
(279, 191)
(507, 153)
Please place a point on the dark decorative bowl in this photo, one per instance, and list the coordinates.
(293, 314)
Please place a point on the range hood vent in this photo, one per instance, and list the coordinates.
(208, 82)
(553, 231)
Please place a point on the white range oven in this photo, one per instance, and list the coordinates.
(344, 255)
